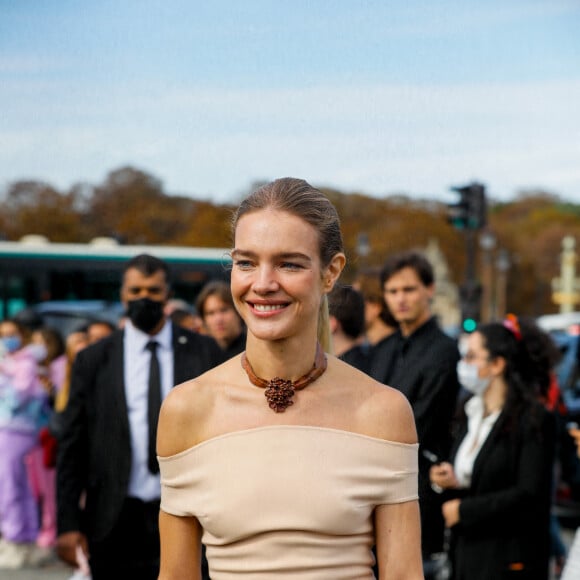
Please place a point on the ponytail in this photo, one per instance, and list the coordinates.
(324, 337)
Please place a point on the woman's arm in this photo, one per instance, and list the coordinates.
(180, 547)
(398, 541)
(180, 536)
(397, 525)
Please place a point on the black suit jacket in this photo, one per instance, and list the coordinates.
(94, 448)
(423, 366)
(504, 516)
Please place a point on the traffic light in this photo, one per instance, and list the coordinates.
(470, 295)
(457, 213)
(470, 213)
(477, 207)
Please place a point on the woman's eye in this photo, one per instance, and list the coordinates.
(243, 264)
(290, 266)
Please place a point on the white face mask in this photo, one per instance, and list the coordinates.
(468, 375)
(38, 351)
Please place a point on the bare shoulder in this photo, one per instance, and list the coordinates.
(389, 416)
(380, 411)
(184, 413)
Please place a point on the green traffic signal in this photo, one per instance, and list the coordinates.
(469, 325)
(470, 212)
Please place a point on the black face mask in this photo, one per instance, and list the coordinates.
(145, 314)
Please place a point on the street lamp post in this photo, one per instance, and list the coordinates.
(502, 265)
(487, 243)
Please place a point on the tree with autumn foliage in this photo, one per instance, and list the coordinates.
(132, 206)
(531, 228)
(31, 207)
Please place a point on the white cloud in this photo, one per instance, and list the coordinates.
(378, 139)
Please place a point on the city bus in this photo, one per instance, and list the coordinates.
(34, 270)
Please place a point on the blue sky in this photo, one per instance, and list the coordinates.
(379, 97)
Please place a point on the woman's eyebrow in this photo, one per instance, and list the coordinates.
(284, 255)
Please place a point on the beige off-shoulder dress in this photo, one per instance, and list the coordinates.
(288, 501)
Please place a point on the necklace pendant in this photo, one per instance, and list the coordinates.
(279, 394)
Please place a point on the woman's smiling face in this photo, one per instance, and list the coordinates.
(277, 279)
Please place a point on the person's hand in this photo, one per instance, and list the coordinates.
(443, 476)
(66, 547)
(575, 433)
(450, 511)
(46, 383)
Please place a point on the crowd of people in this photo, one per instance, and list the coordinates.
(306, 413)
(35, 366)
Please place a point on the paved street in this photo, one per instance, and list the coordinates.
(53, 571)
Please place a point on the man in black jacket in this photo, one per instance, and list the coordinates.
(108, 485)
(421, 361)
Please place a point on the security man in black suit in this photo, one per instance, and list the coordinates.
(108, 485)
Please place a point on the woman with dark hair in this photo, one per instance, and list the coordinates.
(498, 481)
(301, 483)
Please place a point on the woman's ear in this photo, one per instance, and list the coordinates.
(333, 271)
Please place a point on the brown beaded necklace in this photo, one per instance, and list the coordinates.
(279, 392)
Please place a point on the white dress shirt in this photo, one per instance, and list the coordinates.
(142, 483)
(478, 429)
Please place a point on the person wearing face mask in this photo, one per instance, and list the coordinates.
(497, 484)
(23, 403)
(47, 347)
(106, 448)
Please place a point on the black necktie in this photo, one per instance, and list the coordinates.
(153, 405)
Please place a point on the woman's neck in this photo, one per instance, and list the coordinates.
(495, 395)
(287, 359)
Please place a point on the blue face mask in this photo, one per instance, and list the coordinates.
(12, 343)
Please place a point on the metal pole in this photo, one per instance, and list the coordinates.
(487, 244)
(470, 275)
(502, 265)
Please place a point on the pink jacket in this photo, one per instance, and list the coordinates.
(23, 400)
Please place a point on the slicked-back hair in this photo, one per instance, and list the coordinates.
(301, 199)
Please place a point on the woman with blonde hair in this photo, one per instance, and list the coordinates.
(285, 461)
